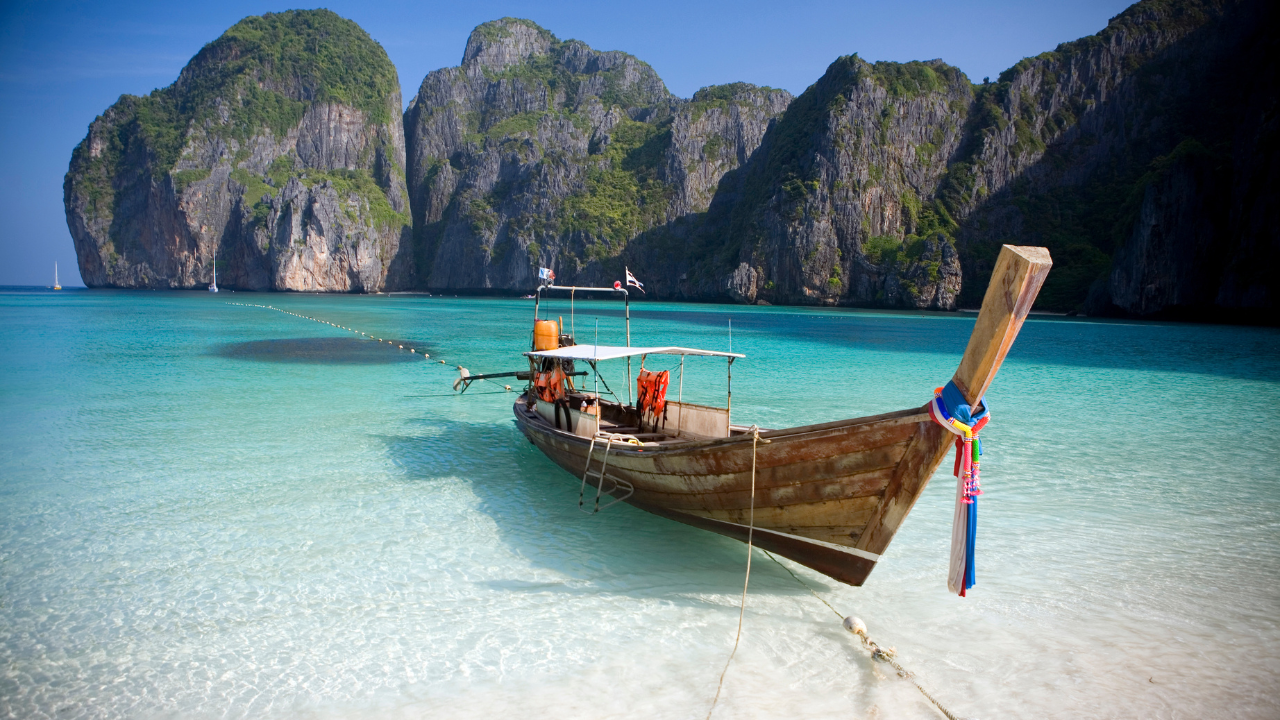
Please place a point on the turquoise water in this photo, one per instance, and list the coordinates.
(217, 511)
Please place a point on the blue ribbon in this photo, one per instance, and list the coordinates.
(957, 407)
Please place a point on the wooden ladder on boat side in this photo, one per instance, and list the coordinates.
(609, 439)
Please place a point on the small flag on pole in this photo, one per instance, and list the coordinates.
(546, 274)
(632, 281)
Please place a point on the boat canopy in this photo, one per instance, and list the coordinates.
(596, 353)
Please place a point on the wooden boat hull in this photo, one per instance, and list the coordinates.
(828, 496)
(820, 490)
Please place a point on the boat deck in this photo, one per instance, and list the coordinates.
(623, 420)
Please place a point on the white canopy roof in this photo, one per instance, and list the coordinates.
(595, 353)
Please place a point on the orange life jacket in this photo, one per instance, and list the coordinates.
(550, 384)
(651, 392)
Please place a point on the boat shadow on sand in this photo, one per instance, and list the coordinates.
(621, 550)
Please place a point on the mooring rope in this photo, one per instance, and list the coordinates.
(857, 627)
(804, 585)
(398, 344)
(742, 609)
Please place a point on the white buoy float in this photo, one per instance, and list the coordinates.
(855, 625)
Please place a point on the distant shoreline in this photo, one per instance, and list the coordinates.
(1240, 318)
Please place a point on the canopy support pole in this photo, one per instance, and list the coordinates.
(682, 379)
(728, 403)
(626, 299)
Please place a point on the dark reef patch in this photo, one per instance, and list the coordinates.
(317, 351)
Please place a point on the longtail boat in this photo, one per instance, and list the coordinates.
(830, 496)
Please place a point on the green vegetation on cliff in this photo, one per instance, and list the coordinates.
(907, 164)
(721, 97)
(262, 73)
(550, 70)
(623, 195)
(915, 78)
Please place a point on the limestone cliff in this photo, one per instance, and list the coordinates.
(537, 152)
(1141, 156)
(1138, 156)
(278, 154)
(838, 205)
(1145, 157)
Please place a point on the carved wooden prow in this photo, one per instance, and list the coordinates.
(1015, 282)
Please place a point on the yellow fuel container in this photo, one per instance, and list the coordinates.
(546, 335)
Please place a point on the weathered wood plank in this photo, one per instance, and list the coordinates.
(849, 464)
(812, 491)
(846, 535)
(909, 479)
(777, 452)
(853, 512)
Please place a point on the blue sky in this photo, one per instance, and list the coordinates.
(64, 63)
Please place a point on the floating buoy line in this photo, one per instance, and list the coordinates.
(395, 343)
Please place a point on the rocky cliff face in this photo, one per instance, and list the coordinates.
(838, 207)
(1144, 157)
(278, 154)
(1136, 155)
(537, 152)
(1141, 156)
(541, 153)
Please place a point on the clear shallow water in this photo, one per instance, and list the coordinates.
(209, 510)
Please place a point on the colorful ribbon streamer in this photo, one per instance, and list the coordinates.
(949, 409)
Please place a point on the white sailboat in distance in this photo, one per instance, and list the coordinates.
(213, 286)
(56, 285)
